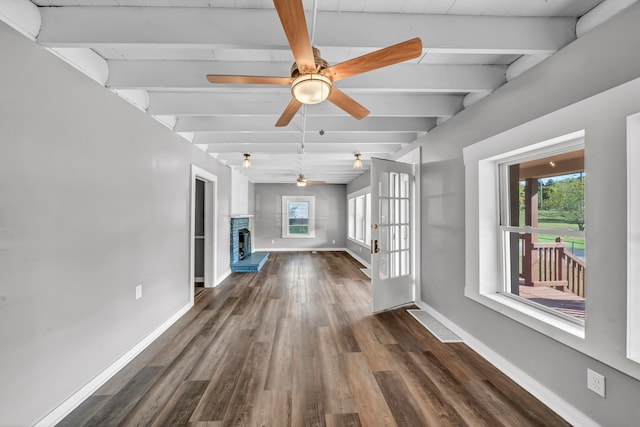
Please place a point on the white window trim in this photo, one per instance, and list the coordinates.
(355, 194)
(285, 216)
(633, 238)
(482, 221)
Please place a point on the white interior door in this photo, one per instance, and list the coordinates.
(392, 279)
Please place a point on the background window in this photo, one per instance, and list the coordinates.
(360, 217)
(298, 216)
(352, 218)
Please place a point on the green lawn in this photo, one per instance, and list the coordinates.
(555, 221)
(550, 219)
(298, 229)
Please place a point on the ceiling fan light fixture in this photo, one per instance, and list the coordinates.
(246, 163)
(357, 164)
(311, 88)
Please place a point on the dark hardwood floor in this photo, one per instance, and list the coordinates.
(296, 345)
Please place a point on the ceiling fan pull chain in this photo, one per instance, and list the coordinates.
(313, 21)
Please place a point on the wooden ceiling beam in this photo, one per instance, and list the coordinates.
(246, 104)
(219, 28)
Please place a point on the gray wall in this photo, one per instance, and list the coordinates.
(362, 252)
(598, 61)
(331, 211)
(94, 200)
(359, 183)
(252, 198)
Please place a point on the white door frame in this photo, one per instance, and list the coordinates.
(414, 157)
(210, 227)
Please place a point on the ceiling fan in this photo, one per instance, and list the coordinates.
(301, 181)
(312, 78)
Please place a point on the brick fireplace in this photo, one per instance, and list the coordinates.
(243, 260)
(237, 225)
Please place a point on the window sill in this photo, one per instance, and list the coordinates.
(546, 323)
(358, 242)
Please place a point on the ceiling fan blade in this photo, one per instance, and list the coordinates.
(380, 58)
(294, 23)
(289, 112)
(347, 103)
(248, 80)
(315, 182)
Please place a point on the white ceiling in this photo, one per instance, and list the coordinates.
(159, 51)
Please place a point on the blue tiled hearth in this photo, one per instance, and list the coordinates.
(252, 262)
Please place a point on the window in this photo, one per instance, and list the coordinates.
(633, 238)
(298, 216)
(360, 217)
(542, 232)
(525, 237)
(352, 216)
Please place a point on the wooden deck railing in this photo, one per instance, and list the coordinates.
(551, 264)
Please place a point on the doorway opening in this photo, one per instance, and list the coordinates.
(202, 235)
(199, 237)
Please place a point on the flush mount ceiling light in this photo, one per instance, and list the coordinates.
(246, 163)
(311, 88)
(357, 164)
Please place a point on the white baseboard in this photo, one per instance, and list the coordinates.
(357, 258)
(65, 408)
(542, 393)
(300, 250)
(221, 278)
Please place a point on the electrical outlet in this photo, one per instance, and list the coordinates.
(595, 382)
(333, 241)
(273, 241)
(138, 291)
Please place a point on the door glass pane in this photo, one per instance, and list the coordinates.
(404, 185)
(392, 211)
(383, 240)
(404, 263)
(393, 190)
(404, 211)
(395, 264)
(404, 240)
(383, 266)
(384, 185)
(394, 238)
(384, 211)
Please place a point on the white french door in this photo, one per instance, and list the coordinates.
(392, 279)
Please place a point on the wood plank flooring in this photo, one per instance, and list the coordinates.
(296, 345)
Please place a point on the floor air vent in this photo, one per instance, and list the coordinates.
(436, 328)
